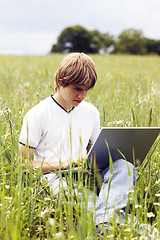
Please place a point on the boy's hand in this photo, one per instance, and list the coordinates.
(65, 164)
(76, 162)
(79, 161)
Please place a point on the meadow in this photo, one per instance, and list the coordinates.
(127, 94)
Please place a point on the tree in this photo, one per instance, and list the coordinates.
(153, 46)
(79, 39)
(73, 39)
(131, 41)
(101, 41)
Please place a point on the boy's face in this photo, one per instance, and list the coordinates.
(70, 96)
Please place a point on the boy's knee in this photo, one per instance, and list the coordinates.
(123, 167)
(123, 164)
(126, 168)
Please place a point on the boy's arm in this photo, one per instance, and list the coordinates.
(46, 167)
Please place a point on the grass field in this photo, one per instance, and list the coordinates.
(127, 93)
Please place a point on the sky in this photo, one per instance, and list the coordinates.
(31, 27)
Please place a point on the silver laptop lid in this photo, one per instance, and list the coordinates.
(122, 142)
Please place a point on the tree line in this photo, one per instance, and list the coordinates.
(79, 39)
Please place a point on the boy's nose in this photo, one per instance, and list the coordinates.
(82, 95)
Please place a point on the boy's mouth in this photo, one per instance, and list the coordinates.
(78, 101)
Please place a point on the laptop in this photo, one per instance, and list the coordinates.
(129, 143)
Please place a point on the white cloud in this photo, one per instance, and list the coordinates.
(26, 42)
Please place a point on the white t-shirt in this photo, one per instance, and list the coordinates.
(58, 135)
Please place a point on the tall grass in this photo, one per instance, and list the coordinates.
(127, 93)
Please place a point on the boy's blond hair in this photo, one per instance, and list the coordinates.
(77, 69)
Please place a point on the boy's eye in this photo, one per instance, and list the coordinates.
(78, 89)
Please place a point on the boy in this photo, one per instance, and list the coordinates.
(59, 129)
(46, 127)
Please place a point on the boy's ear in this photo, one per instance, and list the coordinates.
(59, 84)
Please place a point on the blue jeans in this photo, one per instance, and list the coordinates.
(107, 199)
(115, 197)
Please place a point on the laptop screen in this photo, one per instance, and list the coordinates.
(132, 144)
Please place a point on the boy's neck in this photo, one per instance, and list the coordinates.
(61, 102)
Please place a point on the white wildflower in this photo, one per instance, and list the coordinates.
(8, 198)
(157, 194)
(130, 191)
(158, 181)
(138, 206)
(51, 221)
(40, 228)
(8, 213)
(150, 214)
(127, 230)
(44, 212)
(47, 199)
(115, 122)
(156, 204)
(27, 84)
(121, 211)
(59, 235)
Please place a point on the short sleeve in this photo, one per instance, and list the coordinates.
(31, 130)
(96, 126)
